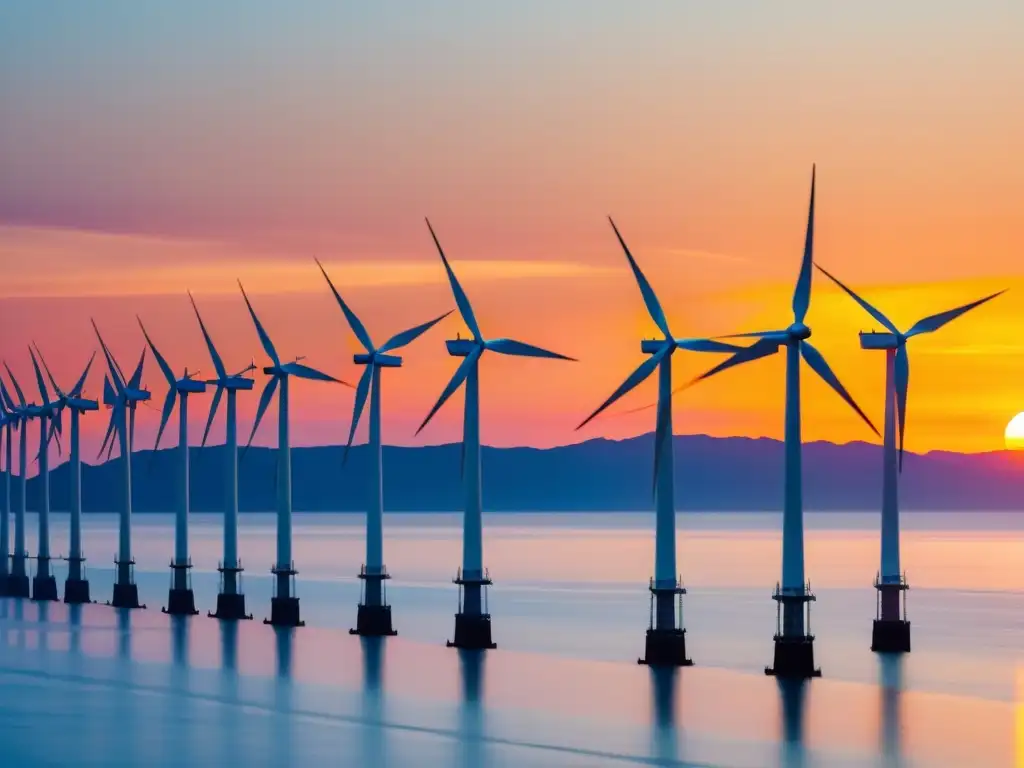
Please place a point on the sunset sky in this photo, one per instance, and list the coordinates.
(148, 149)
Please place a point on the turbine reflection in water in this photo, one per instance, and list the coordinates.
(890, 681)
(792, 705)
(282, 726)
(471, 715)
(664, 735)
(374, 751)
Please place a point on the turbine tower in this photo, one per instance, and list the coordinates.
(373, 616)
(123, 397)
(44, 585)
(794, 644)
(7, 422)
(76, 586)
(230, 599)
(891, 630)
(17, 581)
(473, 622)
(666, 637)
(284, 605)
(180, 598)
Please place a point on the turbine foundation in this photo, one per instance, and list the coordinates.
(76, 587)
(472, 622)
(126, 591)
(373, 615)
(17, 585)
(180, 599)
(890, 632)
(666, 638)
(44, 585)
(230, 600)
(284, 606)
(794, 643)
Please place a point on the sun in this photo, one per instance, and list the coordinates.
(1015, 433)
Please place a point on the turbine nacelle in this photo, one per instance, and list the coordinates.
(654, 346)
(235, 383)
(133, 396)
(799, 331)
(878, 340)
(190, 386)
(461, 347)
(380, 359)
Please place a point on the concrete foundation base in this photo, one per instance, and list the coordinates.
(230, 607)
(181, 602)
(44, 588)
(794, 658)
(17, 586)
(472, 632)
(126, 596)
(373, 621)
(284, 612)
(890, 636)
(76, 591)
(665, 648)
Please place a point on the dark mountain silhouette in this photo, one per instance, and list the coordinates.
(731, 473)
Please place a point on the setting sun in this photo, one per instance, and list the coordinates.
(1015, 433)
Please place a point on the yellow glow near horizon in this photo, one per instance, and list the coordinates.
(1015, 433)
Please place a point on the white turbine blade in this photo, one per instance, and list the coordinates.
(164, 367)
(456, 381)
(172, 395)
(934, 322)
(301, 371)
(115, 373)
(218, 364)
(645, 369)
(875, 313)
(650, 298)
(265, 398)
(521, 349)
(405, 338)
(761, 348)
(268, 345)
(357, 327)
(213, 413)
(706, 345)
(362, 389)
(465, 309)
(902, 383)
(802, 292)
(820, 367)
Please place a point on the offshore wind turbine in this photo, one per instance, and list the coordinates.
(180, 598)
(76, 586)
(17, 581)
(473, 622)
(284, 605)
(230, 599)
(373, 615)
(7, 423)
(122, 397)
(666, 637)
(794, 644)
(890, 631)
(44, 584)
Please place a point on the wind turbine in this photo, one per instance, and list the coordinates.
(7, 423)
(794, 645)
(373, 616)
(473, 622)
(44, 585)
(17, 581)
(180, 598)
(666, 640)
(891, 631)
(230, 599)
(122, 397)
(284, 605)
(76, 587)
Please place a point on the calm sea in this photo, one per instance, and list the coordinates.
(97, 687)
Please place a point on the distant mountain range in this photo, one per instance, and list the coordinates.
(731, 473)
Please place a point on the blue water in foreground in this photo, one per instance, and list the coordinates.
(95, 686)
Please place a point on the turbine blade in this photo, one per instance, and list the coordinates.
(902, 383)
(361, 391)
(645, 369)
(213, 413)
(934, 322)
(8, 402)
(109, 396)
(49, 375)
(218, 364)
(55, 435)
(820, 367)
(521, 349)
(802, 293)
(265, 398)
(465, 309)
(17, 387)
(40, 382)
(106, 437)
(305, 372)
(706, 345)
(353, 322)
(456, 381)
(650, 299)
(172, 394)
(778, 336)
(875, 313)
(405, 338)
(760, 348)
(168, 373)
(77, 391)
(268, 345)
(115, 373)
(136, 380)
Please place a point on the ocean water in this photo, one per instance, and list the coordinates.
(95, 686)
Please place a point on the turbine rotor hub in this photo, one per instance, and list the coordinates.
(799, 331)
